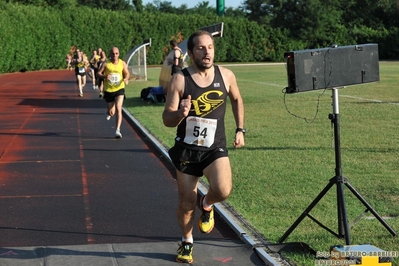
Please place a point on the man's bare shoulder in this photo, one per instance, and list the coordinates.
(178, 77)
(177, 82)
(226, 73)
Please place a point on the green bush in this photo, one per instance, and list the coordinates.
(35, 38)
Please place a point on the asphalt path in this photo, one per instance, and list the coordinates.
(67, 182)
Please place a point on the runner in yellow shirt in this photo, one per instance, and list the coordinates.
(116, 76)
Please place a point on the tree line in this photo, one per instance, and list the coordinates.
(259, 30)
(306, 23)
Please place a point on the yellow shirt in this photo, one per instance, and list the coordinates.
(116, 82)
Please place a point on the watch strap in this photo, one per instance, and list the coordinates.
(239, 129)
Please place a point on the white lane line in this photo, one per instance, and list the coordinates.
(369, 100)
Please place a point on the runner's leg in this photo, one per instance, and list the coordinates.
(187, 189)
(220, 181)
(118, 110)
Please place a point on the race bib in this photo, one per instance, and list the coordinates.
(115, 79)
(82, 70)
(200, 131)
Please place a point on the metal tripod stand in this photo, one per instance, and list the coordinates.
(339, 181)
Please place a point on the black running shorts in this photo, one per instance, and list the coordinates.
(110, 96)
(193, 162)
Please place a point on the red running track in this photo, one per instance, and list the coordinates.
(65, 179)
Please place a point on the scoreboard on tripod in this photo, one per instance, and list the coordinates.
(332, 67)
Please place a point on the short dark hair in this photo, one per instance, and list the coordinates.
(173, 43)
(190, 42)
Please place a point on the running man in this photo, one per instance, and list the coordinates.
(94, 67)
(116, 75)
(196, 105)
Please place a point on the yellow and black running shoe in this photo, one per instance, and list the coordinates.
(185, 252)
(206, 221)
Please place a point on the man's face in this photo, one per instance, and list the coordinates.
(114, 54)
(203, 52)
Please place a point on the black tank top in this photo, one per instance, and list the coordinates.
(203, 128)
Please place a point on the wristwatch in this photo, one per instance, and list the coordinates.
(241, 130)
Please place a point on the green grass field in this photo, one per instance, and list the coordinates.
(289, 156)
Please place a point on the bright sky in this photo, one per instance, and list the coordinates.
(193, 3)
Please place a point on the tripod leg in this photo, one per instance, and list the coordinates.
(308, 209)
(343, 227)
(368, 206)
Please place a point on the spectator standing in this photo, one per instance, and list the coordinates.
(177, 61)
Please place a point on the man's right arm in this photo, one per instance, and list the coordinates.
(175, 107)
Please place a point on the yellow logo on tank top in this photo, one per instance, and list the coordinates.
(204, 105)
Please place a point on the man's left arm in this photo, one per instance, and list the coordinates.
(126, 73)
(237, 105)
